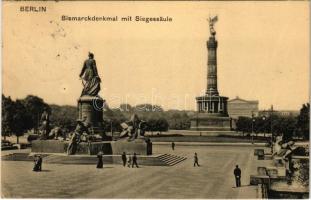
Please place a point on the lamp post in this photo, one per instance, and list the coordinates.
(264, 132)
(253, 120)
(111, 130)
(197, 119)
(271, 131)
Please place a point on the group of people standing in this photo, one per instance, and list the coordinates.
(129, 161)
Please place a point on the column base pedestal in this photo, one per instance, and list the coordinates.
(210, 122)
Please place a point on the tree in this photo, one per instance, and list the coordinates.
(151, 125)
(7, 116)
(64, 116)
(148, 108)
(177, 119)
(261, 125)
(161, 125)
(20, 119)
(15, 118)
(303, 121)
(112, 119)
(34, 107)
(126, 108)
(244, 125)
(289, 128)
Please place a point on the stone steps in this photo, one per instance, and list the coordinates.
(17, 157)
(171, 160)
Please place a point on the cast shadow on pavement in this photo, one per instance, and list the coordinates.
(241, 186)
(44, 170)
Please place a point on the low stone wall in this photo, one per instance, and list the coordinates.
(139, 147)
(49, 146)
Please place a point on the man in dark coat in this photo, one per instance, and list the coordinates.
(134, 161)
(36, 166)
(196, 160)
(38, 163)
(173, 146)
(100, 160)
(237, 175)
(124, 159)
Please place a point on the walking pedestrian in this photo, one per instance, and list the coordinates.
(196, 160)
(124, 159)
(36, 166)
(237, 175)
(173, 146)
(134, 161)
(100, 160)
(129, 161)
(39, 163)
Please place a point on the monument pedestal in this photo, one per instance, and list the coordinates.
(208, 122)
(90, 110)
(212, 114)
(138, 146)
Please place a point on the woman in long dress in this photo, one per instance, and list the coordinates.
(100, 160)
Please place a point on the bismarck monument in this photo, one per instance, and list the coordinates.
(212, 114)
(90, 104)
(89, 136)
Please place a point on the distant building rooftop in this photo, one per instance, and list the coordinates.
(238, 107)
(238, 99)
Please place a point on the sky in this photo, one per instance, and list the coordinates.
(263, 52)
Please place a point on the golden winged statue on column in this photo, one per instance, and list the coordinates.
(212, 21)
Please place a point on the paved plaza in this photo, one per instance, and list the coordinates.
(213, 179)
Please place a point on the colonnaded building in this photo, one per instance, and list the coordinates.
(238, 107)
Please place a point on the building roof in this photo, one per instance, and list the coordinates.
(238, 99)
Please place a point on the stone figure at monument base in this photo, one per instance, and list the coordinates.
(76, 137)
(45, 124)
(57, 133)
(132, 138)
(133, 129)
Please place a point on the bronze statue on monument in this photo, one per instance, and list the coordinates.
(90, 104)
(90, 78)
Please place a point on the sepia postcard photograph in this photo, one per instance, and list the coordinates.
(155, 99)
